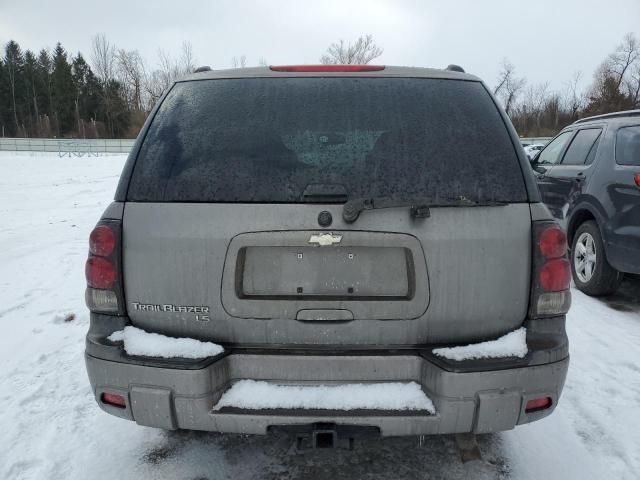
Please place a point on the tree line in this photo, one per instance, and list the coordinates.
(537, 110)
(53, 93)
(56, 94)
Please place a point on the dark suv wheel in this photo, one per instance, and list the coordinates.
(591, 271)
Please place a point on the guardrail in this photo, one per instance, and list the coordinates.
(88, 147)
(532, 140)
(67, 146)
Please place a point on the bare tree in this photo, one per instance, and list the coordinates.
(626, 55)
(169, 69)
(187, 62)
(633, 85)
(509, 86)
(239, 62)
(131, 72)
(573, 101)
(362, 51)
(103, 57)
(536, 97)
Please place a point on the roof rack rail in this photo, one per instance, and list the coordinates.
(625, 113)
(204, 68)
(452, 67)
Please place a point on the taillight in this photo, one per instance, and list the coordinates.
(326, 68)
(551, 275)
(636, 178)
(102, 241)
(555, 275)
(103, 269)
(552, 242)
(100, 272)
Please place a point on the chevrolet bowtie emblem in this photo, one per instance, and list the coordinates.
(325, 239)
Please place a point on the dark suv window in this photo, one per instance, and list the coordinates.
(628, 146)
(582, 145)
(551, 153)
(269, 139)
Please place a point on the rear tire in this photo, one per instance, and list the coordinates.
(590, 269)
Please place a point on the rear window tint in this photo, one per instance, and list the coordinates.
(268, 139)
(628, 146)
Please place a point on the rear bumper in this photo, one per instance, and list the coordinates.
(471, 401)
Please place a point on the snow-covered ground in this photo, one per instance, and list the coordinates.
(50, 427)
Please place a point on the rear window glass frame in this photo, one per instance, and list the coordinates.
(518, 172)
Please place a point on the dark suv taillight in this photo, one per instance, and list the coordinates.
(103, 269)
(551, 272)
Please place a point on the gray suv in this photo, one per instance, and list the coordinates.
(328, 227)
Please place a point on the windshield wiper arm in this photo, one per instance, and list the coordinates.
(419, 205)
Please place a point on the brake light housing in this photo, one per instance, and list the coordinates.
(551, 271)
(326, 68)
(103, 269)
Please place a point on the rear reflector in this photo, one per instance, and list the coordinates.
(537, 404)
(326, 68)
(100, 272)
(113, 399)
(555, 275)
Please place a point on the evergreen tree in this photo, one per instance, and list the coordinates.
(87, 93)
(63, 91)
(5, 114)
(33, 86)
(14, 70)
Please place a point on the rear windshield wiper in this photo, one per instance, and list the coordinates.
(420, 206)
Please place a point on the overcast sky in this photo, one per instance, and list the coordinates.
(545, 40)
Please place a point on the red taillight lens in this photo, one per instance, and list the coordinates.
(552, 242)
(326, 68)
(100, 272)
(555, 275)
(636, 178)
(551, 273)
(103, 269)
(113, 399)
(537, 404)
(102, 241)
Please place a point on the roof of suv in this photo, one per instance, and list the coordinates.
(614, 116)
(388, 71)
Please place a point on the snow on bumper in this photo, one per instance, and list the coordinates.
(480, 401)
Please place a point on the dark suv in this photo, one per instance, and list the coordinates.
(589, 177)
(316, 247)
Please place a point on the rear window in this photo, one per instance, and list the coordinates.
(628, 146)
(270, 139)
